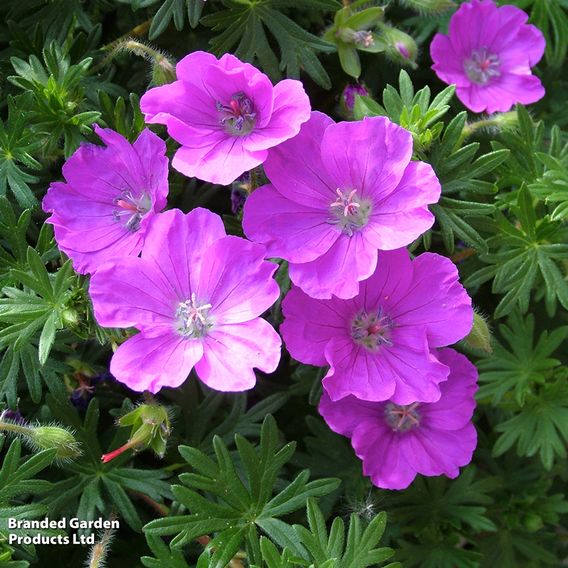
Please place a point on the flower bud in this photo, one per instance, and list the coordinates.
(349, 94)
(38, 437)
(150, 424)
(47, 437)
(533, 522)
(401, 48)
(163, 70)
(480, 335)
(70, 317)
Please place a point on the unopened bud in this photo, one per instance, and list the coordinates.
(38, 437)
(47, 437)
(533, 522)
(480, 335)
(400, 46)
(163, 71)
(350, 93)
(70, 317)
(493, 123)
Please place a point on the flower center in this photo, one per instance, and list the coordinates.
(348, 212)
(402, 418)
(131, 209)
(193, 320)
(371, 330)
(239, 116)
(482, 66)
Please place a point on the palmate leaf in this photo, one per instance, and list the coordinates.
(513, 371)
(57, 18)
(552, 185)
(333, 548)
(176, 10)
(244, 25)
(57, 105)
(17, 146)
(356, 550)
(438, 555)
(243, 507)
(438, 503)
(17, 480)
(39, 305)
(414, 111)
(527, 253)
(540, 426)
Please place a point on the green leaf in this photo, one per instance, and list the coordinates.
(239, 502)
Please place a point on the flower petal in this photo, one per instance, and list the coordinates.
(297, 169)
(151, 363)
(369, 156)
(177, 243)
(132, 292)
(231, 352)
(435, 300)
(288, 229)
(309, 325)
(236, 280)
(339, 271)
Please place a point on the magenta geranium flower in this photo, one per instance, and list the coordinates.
(108, 199)
(378, 344)
(338, 194)
(397, 442)
(488, 55)
(196, 296)
(225, 114)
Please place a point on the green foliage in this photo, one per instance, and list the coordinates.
(332, 549)
(176, 10)
(17, 478)
(552, 185)
(39, 306)
(57, 105)
(17, 146)
(433, 505)
(516, 371)
(244, 507)
(528, 253)
(243, 25)
(351, 31)
(540, 426)
(413, 111)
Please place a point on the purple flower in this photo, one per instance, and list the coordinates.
(110, 195)
(338, 194)
(488, 55)
(378, 344)
(195, 295)
(225, 114)
(398, 442)
(350, 92)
